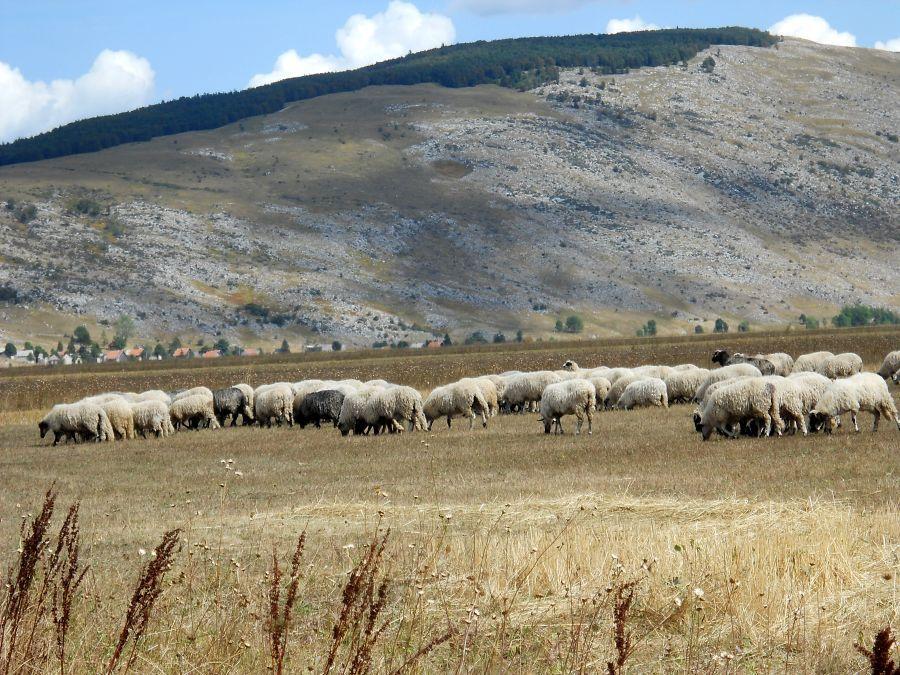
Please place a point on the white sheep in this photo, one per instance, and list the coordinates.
(890, 367)
(274, 403)
(402, 406)
(570, 397)
(248, 392)
(363, 410)
(121, 418)
(862, 392)
(745, 400)
(617, 387)
(193, 412)
(661, 372)
(614, 374)
(784, 363)
(499, 384)
(152, 395)
(840, 365)
(683, 384)
(152, 417)
(459, 399)
(810, 362)
(75, 421)
(196, 391)
(686, 366)
(601, 388)
(726, 373)
(524, 389)
(489, 391)
(646, 392)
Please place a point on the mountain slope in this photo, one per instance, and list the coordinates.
(762, 190)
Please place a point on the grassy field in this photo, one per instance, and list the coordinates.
(504, 549)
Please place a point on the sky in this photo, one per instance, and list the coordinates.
(62, 60)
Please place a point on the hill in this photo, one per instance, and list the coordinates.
(762, 189)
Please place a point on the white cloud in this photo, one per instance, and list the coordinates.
(889, 46)
(813, 28)
(364, 40)
(116, 81)
(629, 25)
(490, 7)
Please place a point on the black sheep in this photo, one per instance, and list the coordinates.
(231, 402)
(317, 407)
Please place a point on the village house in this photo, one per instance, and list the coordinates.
(212, 354)
(183, 353)
(114, 356)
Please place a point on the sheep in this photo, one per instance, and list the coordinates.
(460, 399)
(646, 392)
(499, 383)
(738, 402)
(489, 391)
(378, 383)
(810, 362)
(784, 363)
(686, 366)
(318, 406)
(615, 373)
(152, 417)
(724, 358)
(153, 395)
(810, 387)
(864, 391)
(248, 394)
(840, 365)
(76, 420)
(526, 388)
(890, 367)
(231, 402)
(274, 403)
(121, 418)
(305, 387)
(363, 411)
(192, 412)
(683, 384)
(601, 388)
(401, 404)
(725, 373)
(661, 372)
(617, 387)
(570, 397)
(196, 391)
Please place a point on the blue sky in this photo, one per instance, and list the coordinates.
(128, 53)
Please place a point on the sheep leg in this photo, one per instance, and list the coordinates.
(590, 418)
(560, 426)
(768, 424)
(448, 421)
(853, 417)
(471, 420)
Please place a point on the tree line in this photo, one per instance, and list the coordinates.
(518, 62)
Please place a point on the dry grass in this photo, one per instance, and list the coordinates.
(508, 550)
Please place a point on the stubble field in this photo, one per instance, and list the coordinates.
(504, 549)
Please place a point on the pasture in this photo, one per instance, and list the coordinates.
(504, 549)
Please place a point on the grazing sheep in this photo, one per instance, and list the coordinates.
(362, 412)
(192, 412)
(196, 391)
(489, 391)
(810, 362)
(617, 387)
(460, 399)
(601, 388)
(784, 363)
(378, 383)
(890, 367)
(645, 393)
(400, 407)
(305, 387)
(683, 384)
(274, 404)
(840, 365)
(76, 421)
(231, 402)
(318, 406)
(121, 418)
(725, 373)
(661, 372)
(524, 389)
(614, 374)
(724, 358)
(570, 397)
(686, 366)
(865, 391)
(749, 399)
(152, 417)
(499, 383)
(248, 394)
(810, 386)
(570, 365)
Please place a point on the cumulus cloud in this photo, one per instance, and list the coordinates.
(813, 28)
(889, 46)
(490, 7)
(629, 25)
(364, 40)
(116, 81)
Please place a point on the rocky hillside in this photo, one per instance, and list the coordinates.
(765, 188)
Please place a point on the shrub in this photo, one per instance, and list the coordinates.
(499, 338)
(708, 65)
(721, 326)
(336, 346)
(863, 315)
(574, 324)
(81, 335)
(10, 350)
(744, 326)
(26, 213)
(476, 338)
(698, 329)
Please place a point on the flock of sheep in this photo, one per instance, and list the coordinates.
(753, 395)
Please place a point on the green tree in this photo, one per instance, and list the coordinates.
(159, 351)
(59, 347)
(81, 335)
(222, 345)
(10, 350)
(650, 327)
(574, 324)
(698, 329)
(810, 322)
(446, 342)
(124, 326)
(559, 327)
(499, 338)
(402, 344)
(285, 347)
(28, 346)
(520, 335)
(175, 344)
(708, 65)
(95, 350)
(476, 338)
(744, 326)
(40, 351)
(721, 326)
(336, 346)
